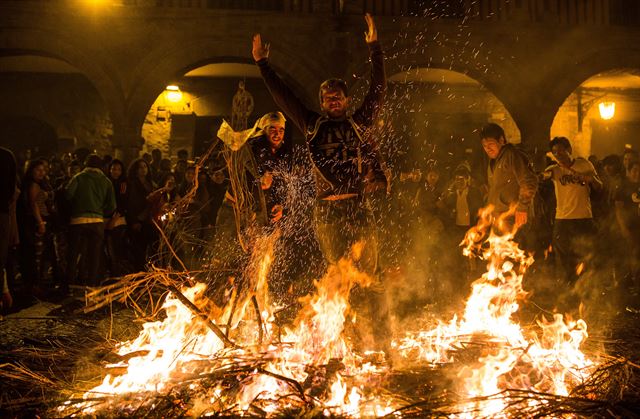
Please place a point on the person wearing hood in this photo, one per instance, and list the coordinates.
(273, 158)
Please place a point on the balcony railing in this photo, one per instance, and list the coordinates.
(560, 12)
(555, 12)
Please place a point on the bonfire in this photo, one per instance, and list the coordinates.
(204, 360)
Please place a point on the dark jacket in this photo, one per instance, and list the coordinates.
(343, 154)
(511, 180)
(278, 164)
(138, 208)
(121, 191)
(8, 178)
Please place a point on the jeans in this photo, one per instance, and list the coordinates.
(572, 243)
(85, 250)
(341, 224)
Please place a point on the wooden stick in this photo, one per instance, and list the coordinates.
(254, 300)
(296, 385)
(214, 328)
(173, 252)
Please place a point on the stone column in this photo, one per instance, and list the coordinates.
(535, 132)
(127, 144)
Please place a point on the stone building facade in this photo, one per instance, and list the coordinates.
(530, 55)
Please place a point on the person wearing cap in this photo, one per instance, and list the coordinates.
(345, 158)
(273, 158)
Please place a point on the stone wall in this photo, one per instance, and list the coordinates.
(202, 97)
(130, 54)
(596, 136)
(439, 121)
(66, 102)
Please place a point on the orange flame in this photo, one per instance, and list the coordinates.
(181, 344)
(554, 355)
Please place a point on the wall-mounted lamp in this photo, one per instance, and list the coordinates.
(607, 110)
(173, 93)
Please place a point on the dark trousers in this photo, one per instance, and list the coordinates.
(5, 225)
(141, 242)
(339, 226)
(85, 250)
(37, 254)
(116, 240)
(572, 243)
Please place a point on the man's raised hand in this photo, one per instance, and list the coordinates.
(372, 33)
(259, 49)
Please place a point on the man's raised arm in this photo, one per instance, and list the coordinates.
(281, 93)
(378, 85)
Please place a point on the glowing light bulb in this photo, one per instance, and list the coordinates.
(173, 93)
(607, 110)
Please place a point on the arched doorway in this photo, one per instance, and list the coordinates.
(22, 133)
(436, 115)
(189, 113)
(580, 118)
(56, 95)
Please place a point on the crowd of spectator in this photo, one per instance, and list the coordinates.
(584, 218)
(77, 219)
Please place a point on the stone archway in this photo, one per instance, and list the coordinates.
(164, 66)
(62, 46)
(580, 120)
(25, 132)
(52, 90)
(562, 97)
(180, 59)
(436, 114)
(189, 116)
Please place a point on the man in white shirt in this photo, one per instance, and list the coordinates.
(573, 230)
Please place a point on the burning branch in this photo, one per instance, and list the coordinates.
(215, 329)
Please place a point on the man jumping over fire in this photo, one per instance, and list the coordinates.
(345, 161)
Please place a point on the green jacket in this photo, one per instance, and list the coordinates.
(91, 194)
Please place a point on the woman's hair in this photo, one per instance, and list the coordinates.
(132, 172)
(116, 162)
(31, 165)
(163, 179)
(615, 162)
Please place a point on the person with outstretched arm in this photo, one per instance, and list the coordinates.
(346, 165)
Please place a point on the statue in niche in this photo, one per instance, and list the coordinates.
(241, 108)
